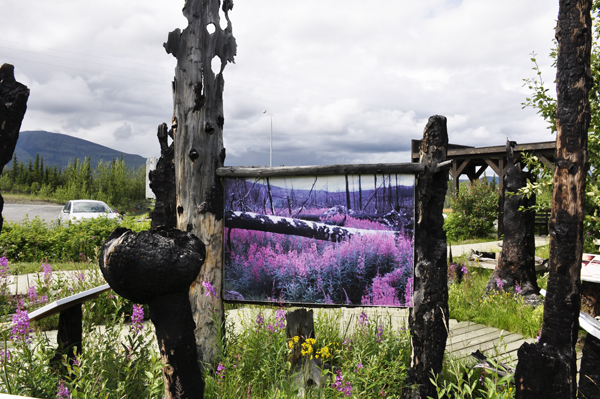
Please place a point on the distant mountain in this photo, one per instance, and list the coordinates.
(60, 149)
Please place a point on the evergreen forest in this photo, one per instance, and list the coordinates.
(112, 182)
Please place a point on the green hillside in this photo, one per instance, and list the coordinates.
(60, 149)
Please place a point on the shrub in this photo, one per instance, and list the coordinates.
(474, 210)
(34, 240)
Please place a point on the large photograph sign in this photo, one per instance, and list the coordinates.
(338, 240)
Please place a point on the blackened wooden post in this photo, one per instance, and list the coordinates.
(162, 182)
(589, 374)
(548, 369)
(516, 265)
(70, 333)
(13, 104)
(429, 316)
(157, 267)
(198, 135)
(299, 323)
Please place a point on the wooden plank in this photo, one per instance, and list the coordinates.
(318, 170)
(469, 336)
(473, 327)
(500, 150)
(470, 339)
(64, 303)
(491, 344)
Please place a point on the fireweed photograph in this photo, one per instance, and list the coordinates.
(338, 240)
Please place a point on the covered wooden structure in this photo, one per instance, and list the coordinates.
(473, 161)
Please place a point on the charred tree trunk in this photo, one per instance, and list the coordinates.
(548, 369)
(198, 116)
(162, 182)
(516, 264)
(270, 196)
(13, 104)
(429, 316)
(360, 208)
(589, 374)
(348, 205)
(157, 267)
(295, 227)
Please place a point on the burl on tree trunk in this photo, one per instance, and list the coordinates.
(13, 104)
(157, 267)
(548, 369)
(516, 265)
(198, 135)
(429, 316)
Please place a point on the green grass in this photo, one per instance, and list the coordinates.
(21, 198)
(35, 267)
(503, 310)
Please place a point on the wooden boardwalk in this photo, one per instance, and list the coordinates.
(466, 337)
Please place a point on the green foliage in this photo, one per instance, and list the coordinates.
(372, 359)
(111, 182)
(34, 240)
(504, 310)
(474, 210)
(116, 361)
(462, 382)
(544, 102)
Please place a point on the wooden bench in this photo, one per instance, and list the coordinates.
(542, 218)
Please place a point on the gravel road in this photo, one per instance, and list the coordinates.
(17, 212)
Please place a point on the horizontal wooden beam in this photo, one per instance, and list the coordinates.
(317, 170)
(501, 149)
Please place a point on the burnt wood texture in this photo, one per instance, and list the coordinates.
(13, 104)
(547, 369)
(162, 182)
(516, 264)
(199, 152)
(157, 267)
(429, 316)
(589, 373)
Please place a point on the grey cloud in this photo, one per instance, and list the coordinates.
(123, 132)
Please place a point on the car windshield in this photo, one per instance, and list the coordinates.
(89, 207)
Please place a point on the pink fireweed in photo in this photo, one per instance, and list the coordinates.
(370, 269)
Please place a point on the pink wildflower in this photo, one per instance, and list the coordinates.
(210, 290)
(137, 318)
(20, 329)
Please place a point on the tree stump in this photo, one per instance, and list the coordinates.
(157, 267)
(547, 369)
(517, 259)
(429, 316)
(13, 104)
(198, 135)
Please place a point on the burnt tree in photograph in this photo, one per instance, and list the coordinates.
(548, 369)
(198, 135)
(516, 265)
(157, 267)
(13, 104)
(429, 316)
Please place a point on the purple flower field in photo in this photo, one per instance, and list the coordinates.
(315, 240)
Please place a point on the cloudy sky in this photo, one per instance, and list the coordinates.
(344, 81)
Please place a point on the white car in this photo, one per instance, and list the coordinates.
(86, 209)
